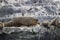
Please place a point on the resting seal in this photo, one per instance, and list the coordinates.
(21, 21)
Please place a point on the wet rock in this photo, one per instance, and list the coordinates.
(45, 24)
(52, 24)
(56, 22)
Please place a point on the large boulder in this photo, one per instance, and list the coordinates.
(45, 24)
(56, 22)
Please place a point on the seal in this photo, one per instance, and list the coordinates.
(21, 21)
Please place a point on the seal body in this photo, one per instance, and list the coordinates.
(25, 21)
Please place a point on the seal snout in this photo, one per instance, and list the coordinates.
(1, 25)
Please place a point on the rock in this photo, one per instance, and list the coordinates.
(56, 22)
(45, 24)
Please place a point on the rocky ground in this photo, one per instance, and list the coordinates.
(32, 33)
(31, 8)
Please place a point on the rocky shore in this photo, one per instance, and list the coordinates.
(49, 30)
(28, 24)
